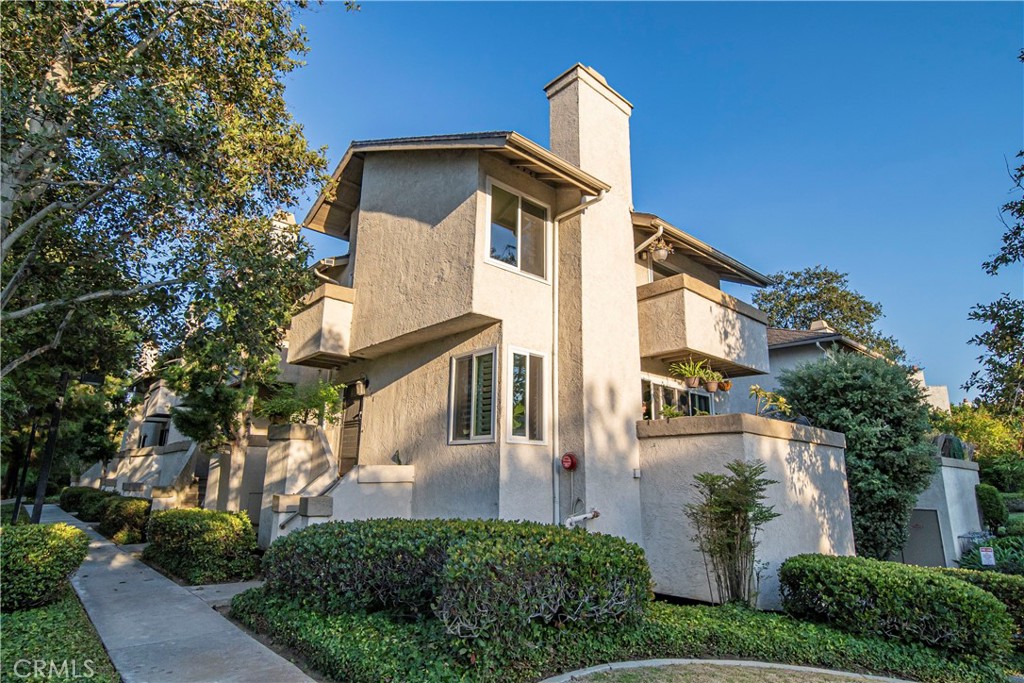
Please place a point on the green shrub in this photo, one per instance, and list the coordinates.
(1009, 552)
(371, 648)
(124, 519)
(37, 561)
(71, 497)
(891, 600)
(1007, 588)
(495, 587)
(1005, 471)
(203, 546)
(993, 509)
(1014, 527)
(407, 565)
(889, 461)
(92, 504)
(1014, 501)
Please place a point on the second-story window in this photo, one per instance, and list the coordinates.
(472, 400)
(518, 233)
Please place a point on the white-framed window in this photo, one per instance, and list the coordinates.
(526, 409)
(471, 405)
(517, 231)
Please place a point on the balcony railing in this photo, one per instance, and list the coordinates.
(682, 317)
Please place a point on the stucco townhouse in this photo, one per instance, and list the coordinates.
(502, 321)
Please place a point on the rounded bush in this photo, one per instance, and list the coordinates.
(1007, 588)
(480, 577)
(71, 497)
(38, 559)
(124, 519)
(892, 600)
(92, 504)
(203, 546)
(993, 508)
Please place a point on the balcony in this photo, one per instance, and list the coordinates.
(321, 333)
(682, 317)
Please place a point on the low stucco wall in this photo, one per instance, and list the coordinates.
(811, 494)
(951, 494)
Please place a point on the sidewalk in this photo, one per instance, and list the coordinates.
(157, 631)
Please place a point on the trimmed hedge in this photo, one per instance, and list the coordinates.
(483, 578)
(203, 546)
(124, 519)
(892, 600)
(1007, 588)
(1014, 501)
(37, 561)
(372, 648)
(92, 504)
(993, 508)
(494, 588)
(71, 497)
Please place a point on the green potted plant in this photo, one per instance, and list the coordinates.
(691, 371)
(725, 384)
(711, 380)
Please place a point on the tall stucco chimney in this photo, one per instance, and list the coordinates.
(599, 343)
(590, 127)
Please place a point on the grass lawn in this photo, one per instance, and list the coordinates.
(709, 673)
(55, 634)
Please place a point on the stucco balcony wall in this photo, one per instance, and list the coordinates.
(681, 316)
(321, 332)
(811, 494)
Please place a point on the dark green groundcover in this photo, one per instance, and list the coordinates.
(56, 640)
(377, 647)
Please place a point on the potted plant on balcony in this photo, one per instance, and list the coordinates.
(691, 371)
(725, 384)
(711, 380)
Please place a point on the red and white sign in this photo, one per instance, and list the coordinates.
(569, 462)
(988, 556)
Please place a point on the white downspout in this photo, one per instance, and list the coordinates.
(652, 240)
(555, 458)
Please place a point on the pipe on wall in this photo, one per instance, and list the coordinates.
(555, 457)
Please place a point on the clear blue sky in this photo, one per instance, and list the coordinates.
(868, 137)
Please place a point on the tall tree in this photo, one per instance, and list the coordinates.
(138, 139)
(800, 297)
(1000, 381)
(889, 461)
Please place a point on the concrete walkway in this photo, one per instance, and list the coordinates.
(157, 631)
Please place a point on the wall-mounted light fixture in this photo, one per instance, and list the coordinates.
(661, 249)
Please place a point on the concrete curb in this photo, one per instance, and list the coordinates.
(583, 673)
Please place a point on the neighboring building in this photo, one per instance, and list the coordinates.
(788, 349)
(502, 305)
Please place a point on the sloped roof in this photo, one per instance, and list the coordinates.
(332, 216)
(780, 337)
(725, 266)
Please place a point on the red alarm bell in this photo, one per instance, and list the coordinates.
(569, 461)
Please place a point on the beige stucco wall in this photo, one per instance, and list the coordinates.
(811, 495)
(524, 306)
(951, 494)
(416, 248)
(405, 410)
(599, 343)
(324, 325)
(680, 314)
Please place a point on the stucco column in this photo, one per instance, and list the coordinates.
(600, 344)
